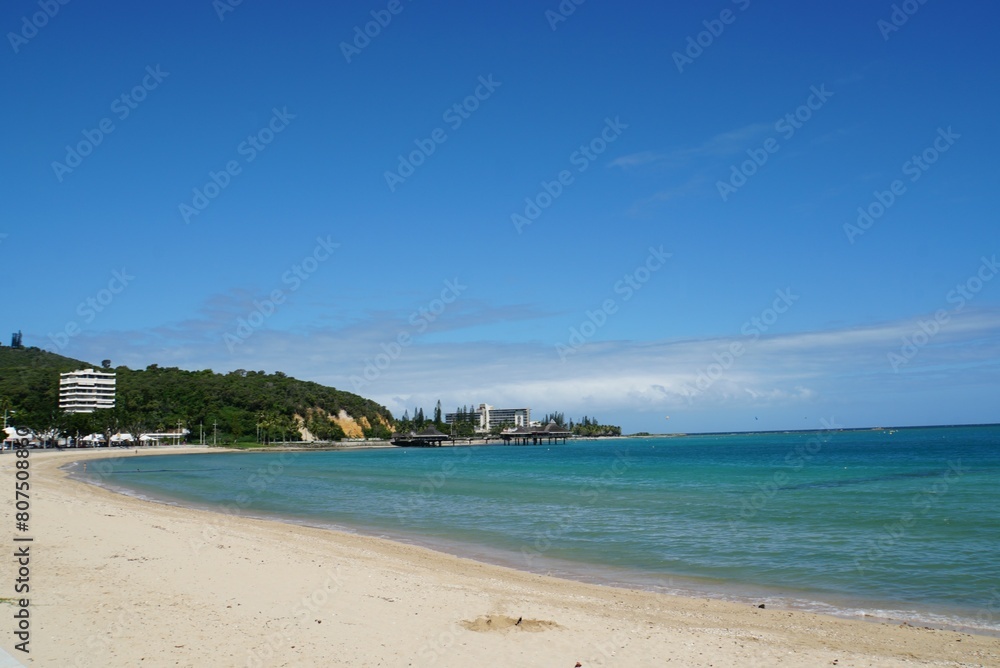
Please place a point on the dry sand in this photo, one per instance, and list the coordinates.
(117, 581)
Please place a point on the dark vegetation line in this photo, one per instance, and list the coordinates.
(157, 398)
(241, 406)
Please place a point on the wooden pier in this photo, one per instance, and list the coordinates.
(427, 438)
(550, 433)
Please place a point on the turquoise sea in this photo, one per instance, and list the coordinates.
(901, 523)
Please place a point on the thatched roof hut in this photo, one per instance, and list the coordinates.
(550, 433)
(427, 437)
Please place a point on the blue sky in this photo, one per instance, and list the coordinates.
(615, 220)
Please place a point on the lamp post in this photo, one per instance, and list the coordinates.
(6, 411)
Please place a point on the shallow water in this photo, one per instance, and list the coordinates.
(903, 525)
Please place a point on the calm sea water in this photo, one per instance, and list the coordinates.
(902, 524)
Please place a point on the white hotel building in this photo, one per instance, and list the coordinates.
(86, 390)
(490, 417)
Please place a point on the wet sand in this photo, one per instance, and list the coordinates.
(119, 581)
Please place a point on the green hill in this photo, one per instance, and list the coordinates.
(241, 403)
(29, 382)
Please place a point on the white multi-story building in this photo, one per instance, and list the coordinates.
(86, 390)
(490, 417)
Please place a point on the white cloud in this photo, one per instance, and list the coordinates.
(721, 145)
(636, 159)
(607, 377)
(696, 161)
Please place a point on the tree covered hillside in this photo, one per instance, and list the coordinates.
(242, 403)
(29, 383)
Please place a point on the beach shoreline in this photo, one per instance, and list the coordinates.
(241, 591)
(827, 603)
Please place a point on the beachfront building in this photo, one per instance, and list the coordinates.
(489, 417)
(86, 390)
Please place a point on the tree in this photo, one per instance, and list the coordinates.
(79, 425)
(158, 397)
(15, 340)
(106, 364)
(405, 425)
(235, 425)
(589, 426)
(557, 417)
(465, 422)
(262, 424)
(132, 422)
(496, 430)
(437, 414)
(285, 424)
(378, 431)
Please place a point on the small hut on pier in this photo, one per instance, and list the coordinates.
(426, 438)
(550, 433)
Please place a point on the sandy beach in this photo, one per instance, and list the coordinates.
(117, 581)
